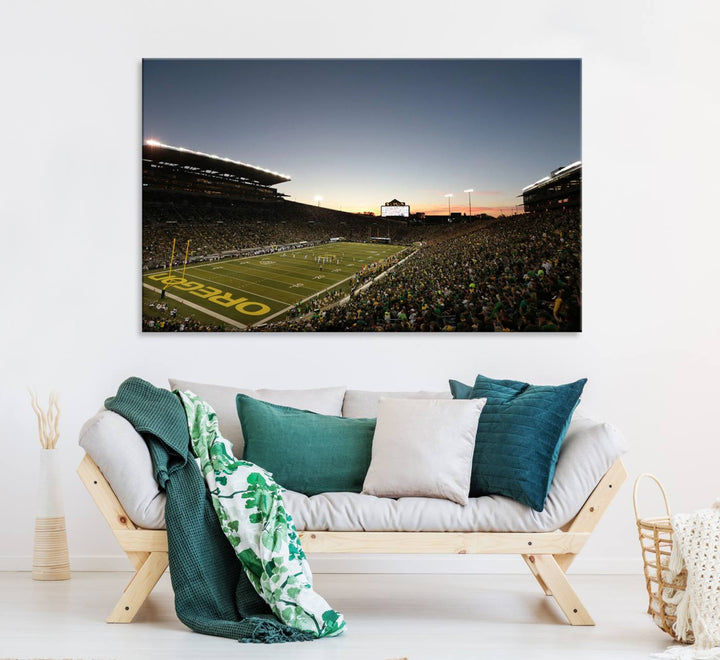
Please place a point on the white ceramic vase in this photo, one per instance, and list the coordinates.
(50, 555)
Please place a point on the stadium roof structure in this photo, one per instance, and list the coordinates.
(559, 173)
(562, 189)
(196, 160)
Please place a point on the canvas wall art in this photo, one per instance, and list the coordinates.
(361, 195)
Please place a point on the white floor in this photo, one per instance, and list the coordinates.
(418, 617)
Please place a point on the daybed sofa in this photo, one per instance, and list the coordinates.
(117, 472)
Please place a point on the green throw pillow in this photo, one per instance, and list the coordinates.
(305, 451)
(519, 436)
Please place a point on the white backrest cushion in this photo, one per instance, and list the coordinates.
(423, 448)
(587, 452)
(124, 459)
(325, 401)
(364, 403)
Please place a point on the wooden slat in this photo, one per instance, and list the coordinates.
(442, 542)
(147, 540)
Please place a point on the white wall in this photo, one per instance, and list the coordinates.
(69, 202)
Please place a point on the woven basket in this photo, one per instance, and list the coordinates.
(656, 539)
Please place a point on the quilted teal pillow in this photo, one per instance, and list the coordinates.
(519, 436)
(305, 451)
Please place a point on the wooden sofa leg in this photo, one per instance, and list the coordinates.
(139, 588)
(556, 581)
(530, 561)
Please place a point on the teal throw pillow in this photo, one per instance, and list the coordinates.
(305, 451)
(519, 436)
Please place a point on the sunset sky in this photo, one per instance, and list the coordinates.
(362, 132)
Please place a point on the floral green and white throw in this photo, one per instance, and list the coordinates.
(250, 508)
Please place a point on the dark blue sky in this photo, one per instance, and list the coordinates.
(361, 132)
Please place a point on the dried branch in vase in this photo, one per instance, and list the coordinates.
(48, 421)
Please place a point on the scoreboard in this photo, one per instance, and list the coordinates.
(395, 211)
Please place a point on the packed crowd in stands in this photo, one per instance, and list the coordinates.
(218, 226)
(162, 317)
(316, 304)
(515, 273)
(519, 273)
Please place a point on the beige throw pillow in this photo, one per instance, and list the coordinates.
(324, 401)
(423, 448)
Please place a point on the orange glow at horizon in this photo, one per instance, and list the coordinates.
(442, 210)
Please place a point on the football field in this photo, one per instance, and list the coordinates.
(251, 290)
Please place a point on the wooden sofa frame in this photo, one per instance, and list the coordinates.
(547, 554)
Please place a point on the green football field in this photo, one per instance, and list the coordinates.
(251, 290)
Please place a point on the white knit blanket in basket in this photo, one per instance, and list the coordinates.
(696, 546)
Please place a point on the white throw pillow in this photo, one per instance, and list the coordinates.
(324, 401)
(364, 403)
(423, 448)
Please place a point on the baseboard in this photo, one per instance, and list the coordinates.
(108, 563)
(454, 564)
(440, 564)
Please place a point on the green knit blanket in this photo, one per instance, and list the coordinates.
(213, 595)
(249, 504)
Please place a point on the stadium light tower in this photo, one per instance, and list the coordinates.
(469, 191)
(449, 195)
(318, 199)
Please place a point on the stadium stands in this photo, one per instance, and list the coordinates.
(521, 273)
(214, 226)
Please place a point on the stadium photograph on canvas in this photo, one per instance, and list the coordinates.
(361, 195)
